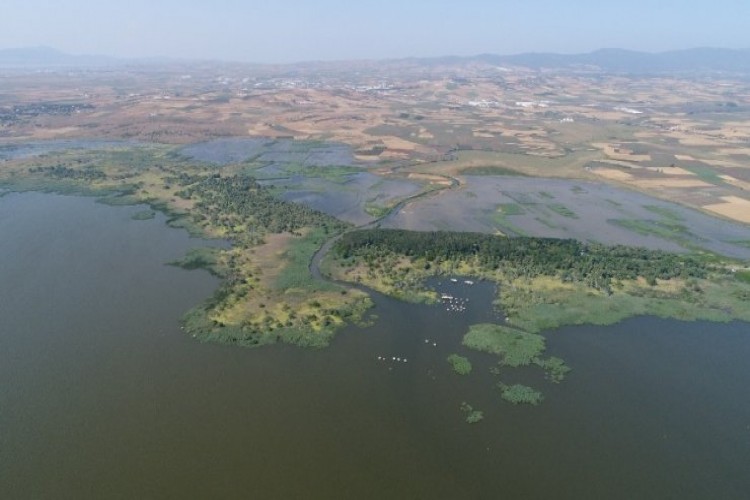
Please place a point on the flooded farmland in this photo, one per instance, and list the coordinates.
(572, 209)
(270, 151)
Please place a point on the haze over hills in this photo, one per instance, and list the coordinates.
(608, 60)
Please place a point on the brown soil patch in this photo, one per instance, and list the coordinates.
(617, 152)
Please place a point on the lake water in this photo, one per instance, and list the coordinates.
(102, 395)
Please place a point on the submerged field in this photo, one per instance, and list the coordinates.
(583, 210)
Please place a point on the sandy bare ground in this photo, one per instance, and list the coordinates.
(670, 182)
(736, 182)
(432, 179)
(614, 174)
(734, 207)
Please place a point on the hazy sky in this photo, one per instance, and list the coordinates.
(297, 30)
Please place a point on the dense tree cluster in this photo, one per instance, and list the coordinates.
(241, 201)
(594, 264)
(63, 172)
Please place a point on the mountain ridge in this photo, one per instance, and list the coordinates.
(700, 59)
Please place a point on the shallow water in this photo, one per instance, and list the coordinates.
(594, 209)
(239, 149)
(14, 151)
(103, 396)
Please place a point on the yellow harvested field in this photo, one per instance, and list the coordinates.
(734, 208)
(614, 174)
(736, 182)
(639, 169)
(695, 140)
(432, 179)
(620, 153)
(724, 163)
(677, 171)
(392, 142)
(620, 163)
(52, 133)
(671, 182)
(734, 151)
(366, 158)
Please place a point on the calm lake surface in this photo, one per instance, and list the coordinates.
(102, 395)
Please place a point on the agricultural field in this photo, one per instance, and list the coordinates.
(282, 162)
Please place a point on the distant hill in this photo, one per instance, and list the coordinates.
(623, 61)
(698, 60)
(49, 57)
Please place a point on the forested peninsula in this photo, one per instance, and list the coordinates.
(545, 283)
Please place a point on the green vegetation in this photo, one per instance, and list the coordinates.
(472, 416)
(743, 276)
(201, 258)
(245, 210)
(516, 348)
(500, 218)
(562, 210)
(460, 364)
(665, 212)
(144, 215)
(705, 173)
(572, 261)
(267, 293)
(555, 368)
(668, 228)
(510, 209)
(296, 271)
(331, 172)
(520, 394)
(547, 283)
(491, 170)
(376, 211)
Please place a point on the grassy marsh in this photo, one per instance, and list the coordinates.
(520, 394)
(472, 416)
(460, 364)
(515, 348)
